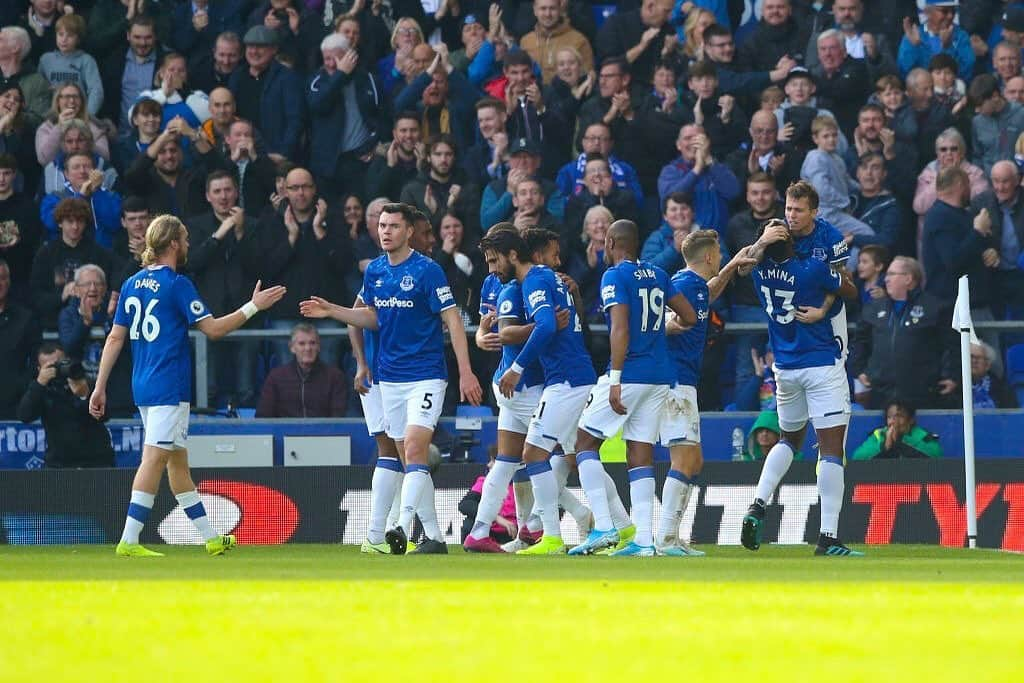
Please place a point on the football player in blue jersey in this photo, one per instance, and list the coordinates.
(631, 396)
(388, 471)
(407, 299)
(811, 379)
(701, 283)
(568, 373)
(155, 310)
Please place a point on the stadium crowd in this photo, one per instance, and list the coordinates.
(276, 129)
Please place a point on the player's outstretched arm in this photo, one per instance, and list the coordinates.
(111, 350)
(741, 261)
(315, 307)
(469, 386)
(262, 299)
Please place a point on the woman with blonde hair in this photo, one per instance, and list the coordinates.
(68, 103)
(406, 35)
(950, 151)
(693, 33)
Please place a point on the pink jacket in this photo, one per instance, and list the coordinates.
(924, 195)
(48, 141)
(508, 506)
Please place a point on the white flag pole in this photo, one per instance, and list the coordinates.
(962, 323)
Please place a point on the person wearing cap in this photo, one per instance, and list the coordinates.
(269, 94)
(346, 116)
(552, 33)
(524, 160)
(298, 29)
(938, 34)
(778, 34)
(797, 112)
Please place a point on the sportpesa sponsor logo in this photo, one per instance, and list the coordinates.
(392, 302)
(444, 294)
(537, 298)
(608, 292)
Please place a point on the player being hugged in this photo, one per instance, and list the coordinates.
(811, 378)
(568, 372)
(406, 299)
(701, 283)
(156, 308)
(631, 396)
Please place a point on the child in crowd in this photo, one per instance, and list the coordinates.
(872, 262)
(772, 98)
(69, 63)
(949, 90)
(890, 94)
(824, 168)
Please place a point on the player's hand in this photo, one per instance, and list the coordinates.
(570, 284)
(363, 379)
(809, 314)
(615, 399)
(469, 389)
(508, 525)
(315, 307)
(98, 403)
(507, 383)
(265, 298)
(774, 231)
(562, 318)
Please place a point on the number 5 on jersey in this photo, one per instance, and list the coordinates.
(144, 322)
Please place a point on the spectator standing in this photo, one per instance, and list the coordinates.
(778, 34)
(899, 157)
(444, 99)
(19, 338)
(438, 187)
(225, 264)
(54, 266)
(68, 63)
(84, 181)
(391, 170)
(876, 207)
(764, 153)
(552, 33)
(901, 437)
(695, 172)
(524, 160)
(255, 172)
(904, 346)
(147, 116)
(873, 48)
(346, 119)
(73, 437)
(599, 189)
(996, 125)
(487, 158)
(305, 247)
(307, 386)
(598, 140)
(939, 33)
(734, 79)
(1005, 206)
(213, 69)
(702, 103)
(951, 152)
(269, 94)
(39, 21)
(175, 100)
(20, 231)
(920, 117)
(825, 170)
(745, 307)
(569, 88)
(639, 35)
(15, 46)
(842, 80)
(463, 267)
(198, 23)
(127, 74)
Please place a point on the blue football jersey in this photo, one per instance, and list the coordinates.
(687, 349)
(510, 307)
(489, 296)
(158, 306)
(408, 299)
(564, 358)
(371, 340)
(643, 288)
(782, 287)
(825, 244)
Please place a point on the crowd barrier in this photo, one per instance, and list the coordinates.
(909, 501)
(249, 442)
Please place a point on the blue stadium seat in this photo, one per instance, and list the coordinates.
(1015, 370)
(602, 12)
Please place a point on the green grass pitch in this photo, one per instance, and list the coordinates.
(327, 613)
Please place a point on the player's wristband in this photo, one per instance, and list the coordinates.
(615, 376)
(248, 309)
(516, 368)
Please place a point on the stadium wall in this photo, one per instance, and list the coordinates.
(22, 446)
(909, 501)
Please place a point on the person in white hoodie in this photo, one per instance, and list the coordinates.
(69, 63)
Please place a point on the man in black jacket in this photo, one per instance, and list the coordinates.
(777, 35)
(720, 50)
(19, 336)
(399, 164)
(904, 346)
(225, 265)
(73, 437)
(306, 247)
(639, 36)
(126, 74)
(842, 81)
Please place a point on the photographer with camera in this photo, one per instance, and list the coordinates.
(60, 396)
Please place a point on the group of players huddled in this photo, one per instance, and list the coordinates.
(547, 392)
